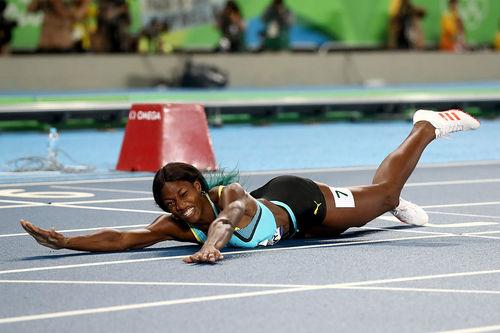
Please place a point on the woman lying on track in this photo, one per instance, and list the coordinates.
(285, 207)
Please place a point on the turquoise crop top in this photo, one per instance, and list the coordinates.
(261, 231)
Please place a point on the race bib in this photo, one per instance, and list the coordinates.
(343, 197)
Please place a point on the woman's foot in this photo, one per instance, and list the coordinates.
(410, 213)
(447, 122)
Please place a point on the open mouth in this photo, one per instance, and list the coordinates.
(188, 212)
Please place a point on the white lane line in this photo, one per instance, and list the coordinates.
(419, 278)
(84, 229)
(271, 172)
(443, 225)
(471, 235)
(20, 206)
(23, 202)
(98, 189)
(367, 168)
(158, 283)
(103, 201)
(411, 231)
(465, 204)
(430, 290)
(250, 285)
(88, 181)
(480, 236)
(157, 212)
(484, 232)
(276, 249)
(152, 304)
(73, 205)
(455, 182)
(459, 225)
(218, 298)
(494, 328)
(63, 205)
(463, 214)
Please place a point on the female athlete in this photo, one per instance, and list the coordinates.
(285, 207)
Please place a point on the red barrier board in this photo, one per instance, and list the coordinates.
(160, 133)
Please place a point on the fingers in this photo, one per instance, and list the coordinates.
(210, 255)
(48, 238)
(25, 224)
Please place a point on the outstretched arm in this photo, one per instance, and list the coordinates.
(234, 201)
(163, 228)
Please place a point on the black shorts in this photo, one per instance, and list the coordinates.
(302, 195)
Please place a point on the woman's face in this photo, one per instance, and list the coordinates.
(183, 199)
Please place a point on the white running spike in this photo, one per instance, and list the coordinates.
(410, 213)
(447, 122)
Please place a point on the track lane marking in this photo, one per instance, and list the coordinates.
(421, 277)
(253, 173)
(99, 189)
(481, 236)
(475, 329)
(88, 181)
(151, 304)
(276, 249)
(158, 283)
(83, 229)
(368, 168)
(157, 212)
(249, 285)
(430, 290)
(409, 230)
(23, 202)
(443, 225)
(463, 214)
(103, 201)
(459, 225)
(484, 232)
(20, 206)
(386, 218)
(220, 297)
(465, 204)
(455, 182)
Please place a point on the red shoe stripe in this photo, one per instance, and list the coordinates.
(443, 116)
(455, 115)
(448, 115)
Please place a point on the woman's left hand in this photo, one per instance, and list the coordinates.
(207, 253)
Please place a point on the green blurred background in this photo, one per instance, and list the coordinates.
(350, 22)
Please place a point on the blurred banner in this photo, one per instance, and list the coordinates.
(348, 22)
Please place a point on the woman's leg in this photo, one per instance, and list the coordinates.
(383, 195)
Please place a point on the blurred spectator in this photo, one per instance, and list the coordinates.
(57, 26)
(277, 20)
(155, 38)
(405, 29)
(113, 21)
(452, 29)
(232, 28)
(6, 27)
(164, 43)
(497, 41)
(85, 24)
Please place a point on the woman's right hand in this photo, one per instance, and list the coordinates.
(49, 238)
